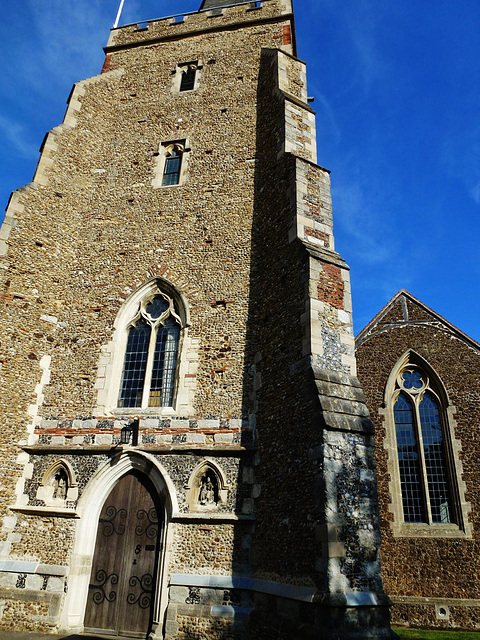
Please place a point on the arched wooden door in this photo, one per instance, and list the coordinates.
(121, 592)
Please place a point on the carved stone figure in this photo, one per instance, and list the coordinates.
(207, 491)
(60, 485)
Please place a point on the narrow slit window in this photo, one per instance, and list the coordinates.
(188, 77)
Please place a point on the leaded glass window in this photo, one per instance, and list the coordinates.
(173, 164)
(409, 461)
(151, 355)
(422, 456)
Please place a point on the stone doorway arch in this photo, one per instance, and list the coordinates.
(90, 509)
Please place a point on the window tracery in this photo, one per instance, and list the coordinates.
(173, 164)
(424, 466)
(151, 354)
(422, 456)
(188, 71)
(186, 76)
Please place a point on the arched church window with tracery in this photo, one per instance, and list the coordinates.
(151, 355)
(423, 450)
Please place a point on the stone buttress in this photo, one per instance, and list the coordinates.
(317, 516)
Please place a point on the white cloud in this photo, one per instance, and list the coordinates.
(328, 127)
(476, 193)
(363, 23)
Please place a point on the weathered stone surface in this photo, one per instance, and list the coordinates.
(438, 570)
(267, 421)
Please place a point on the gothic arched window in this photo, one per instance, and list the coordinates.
(151, 354)
(426, 476)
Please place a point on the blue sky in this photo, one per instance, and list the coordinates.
(397, 95)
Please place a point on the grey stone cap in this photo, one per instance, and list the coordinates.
(54, 512)
(326, 255)
(344, 422)
(342, 401)
(222, 611)
(303, 105)
(430, 600)
(354, 599)
(336, 377)
(288, 154)
(225, 450)
(12, 566)
(211, 517)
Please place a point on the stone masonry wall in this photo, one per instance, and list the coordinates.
(437, 573)
(89, 230)
(246, 241)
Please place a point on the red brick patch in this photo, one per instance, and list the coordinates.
(331, 286)
(314, 233)
(106, 64)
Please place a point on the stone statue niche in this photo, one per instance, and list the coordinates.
(208, 495)
(58, 487)
(60, 484)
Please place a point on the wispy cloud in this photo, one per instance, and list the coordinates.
(357, 24)
(328, 126)
(476, 193)
(363, 23)
(461, 157)
(17, 135)
(64, 32)
(369, 238)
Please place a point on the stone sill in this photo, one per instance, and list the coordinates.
(20, 566)
(446, 531)
(55, 512)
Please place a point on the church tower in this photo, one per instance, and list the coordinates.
(186, 448)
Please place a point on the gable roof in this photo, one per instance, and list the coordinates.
(396, 313)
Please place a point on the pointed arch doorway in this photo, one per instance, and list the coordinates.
(121, 593)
